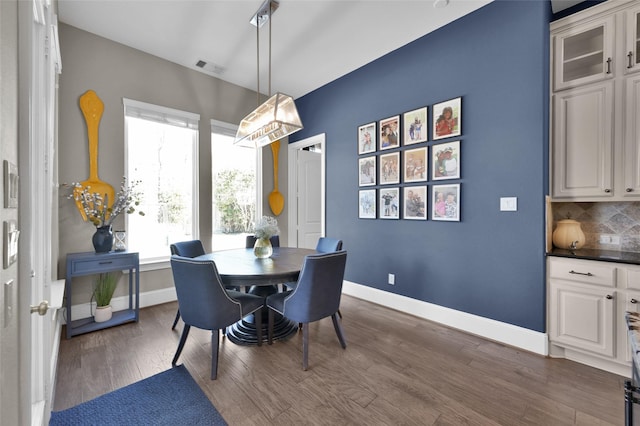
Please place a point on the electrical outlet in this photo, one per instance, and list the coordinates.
(8, 302)
(607, 239)
(392, 279)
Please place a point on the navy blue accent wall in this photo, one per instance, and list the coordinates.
(491, 263)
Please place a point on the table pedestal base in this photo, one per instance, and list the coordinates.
(244, 331)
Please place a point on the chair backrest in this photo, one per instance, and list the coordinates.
(317, 293)
(191, 248)
(202, 299)
(251, 241)
(327, 245)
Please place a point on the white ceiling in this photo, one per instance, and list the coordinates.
(313, 41)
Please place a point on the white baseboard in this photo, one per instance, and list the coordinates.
(508, 334)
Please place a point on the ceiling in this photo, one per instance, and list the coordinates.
(313, 42)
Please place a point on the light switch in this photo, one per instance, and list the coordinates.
(508, 204)
(8, 302)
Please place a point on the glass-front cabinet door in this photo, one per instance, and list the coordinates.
(632, 32)
(584, 54)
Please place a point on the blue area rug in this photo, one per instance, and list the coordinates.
(168, 398)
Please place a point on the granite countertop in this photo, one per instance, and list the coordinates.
(633, 325)
(595, 254)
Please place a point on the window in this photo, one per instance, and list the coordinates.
(236, 185)
(161, 153)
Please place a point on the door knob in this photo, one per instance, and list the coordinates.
(41, 309)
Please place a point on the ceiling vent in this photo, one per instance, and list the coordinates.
(210, 67)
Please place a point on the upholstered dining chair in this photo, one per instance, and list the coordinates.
(327, 245)
(316, 296)
(190, 248)
(206, 304)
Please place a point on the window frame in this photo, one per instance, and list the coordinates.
(175, 117)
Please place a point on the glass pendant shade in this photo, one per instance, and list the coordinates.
(271, 121)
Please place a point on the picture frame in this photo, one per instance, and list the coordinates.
(367, 204)
(414, 202)
(447, 119)
(367, 171)
(389, 202)
(390, 168)
(367, 138)
(414, 126)
(445, 202)
(415, 165)
(389, 136)
(445, 161)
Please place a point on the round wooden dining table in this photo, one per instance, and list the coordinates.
(240, 267)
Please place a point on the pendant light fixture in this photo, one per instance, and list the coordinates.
(278, 116)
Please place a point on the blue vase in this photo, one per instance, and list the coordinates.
(103, 239)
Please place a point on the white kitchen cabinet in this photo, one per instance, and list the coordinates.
(587, 301)
(583, 53)
(595, 154)
(583, 142)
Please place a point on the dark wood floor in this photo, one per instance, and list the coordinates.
(396, 370)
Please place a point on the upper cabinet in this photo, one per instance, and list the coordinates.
(583, 54)
(595, 104)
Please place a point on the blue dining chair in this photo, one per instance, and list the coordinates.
(206, 304)
(190, 248)
(327, 245)
(316, 296)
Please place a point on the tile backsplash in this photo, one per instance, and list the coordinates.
(608, 219)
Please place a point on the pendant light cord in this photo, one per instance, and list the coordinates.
(258, 63)
(269, 49)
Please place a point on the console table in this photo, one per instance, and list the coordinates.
(90, 263)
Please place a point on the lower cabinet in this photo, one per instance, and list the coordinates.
(587, 301)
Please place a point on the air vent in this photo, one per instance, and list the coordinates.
(209, 67)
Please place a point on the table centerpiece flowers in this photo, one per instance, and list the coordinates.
(265, 228)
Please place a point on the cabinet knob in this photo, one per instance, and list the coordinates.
(609, 297)
(630, 56)
(633, 301)
(608, 190)
(629, 189)
(608, 65)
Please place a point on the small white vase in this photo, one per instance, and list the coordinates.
(103, 313)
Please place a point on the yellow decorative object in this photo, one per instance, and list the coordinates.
(568, 235)
(276, 199)
(92, 108)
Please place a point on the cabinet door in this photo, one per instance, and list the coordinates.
(582, 142)
(631, 153)
(582, 317)
(631, 304)
(584, 54)
(632, 36)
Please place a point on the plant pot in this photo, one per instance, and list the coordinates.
(103, 239)
(103, 313)
(263, 248)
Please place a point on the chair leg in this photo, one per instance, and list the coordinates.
(175, 321)
(339, 331)
(215, 344)
(340, 313)
(305, 346)
(258, 320)
(270, 327)
(183, 338)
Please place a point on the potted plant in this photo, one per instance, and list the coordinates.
(105, 286)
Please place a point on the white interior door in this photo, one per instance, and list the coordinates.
(306, 179)
(309, 199)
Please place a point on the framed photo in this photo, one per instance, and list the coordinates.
(414, 125)
(367, 138)
(367, 204)
(389, 136)
(367, 171)
(414, 201)
(389, 203)
(445, 204)
(415, 165)
(390, 168)
(446, 160)
(447, 119)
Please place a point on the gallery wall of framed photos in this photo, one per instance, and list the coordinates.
(409, 164)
